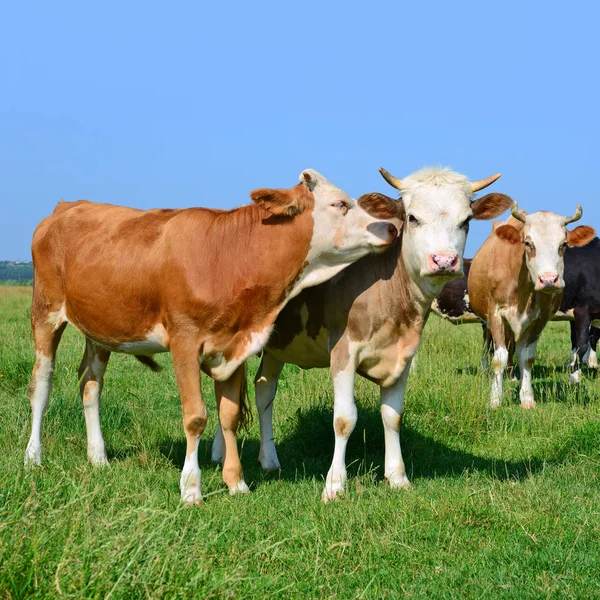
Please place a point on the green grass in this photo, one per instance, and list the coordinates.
(504, 504)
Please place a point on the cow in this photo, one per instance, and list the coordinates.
(205, 285)
(452, 303)
(369, 319)
(516, 286)
(582, 297)
(580, 306)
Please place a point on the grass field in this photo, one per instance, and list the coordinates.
(504, 504)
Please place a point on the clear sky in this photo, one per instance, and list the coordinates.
(178, 104)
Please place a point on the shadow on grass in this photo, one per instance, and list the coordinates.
(306, 453)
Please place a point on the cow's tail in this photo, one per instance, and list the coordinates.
(149, 362)
(245, 410)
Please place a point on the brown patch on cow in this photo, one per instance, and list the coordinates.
(381, 206)
(32, 383)
(342, 427)
(529, 363)
(580, 236)
(508, 233)
(490, 206)
(90, 387)
(287, 202)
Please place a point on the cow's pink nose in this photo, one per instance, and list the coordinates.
(444, 261)
(548, 280)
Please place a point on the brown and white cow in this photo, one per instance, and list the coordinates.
(516, 286)
(369, 319)
(205, 285)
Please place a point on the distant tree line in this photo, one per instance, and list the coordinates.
(16, 272)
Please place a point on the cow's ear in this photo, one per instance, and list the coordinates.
(490, 206)
(580, 236)
(284, 202)
(508, 233)
(381, 206)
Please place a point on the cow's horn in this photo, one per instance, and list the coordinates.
(393, 181)
(576, 216)
(483, 183)
(516, 213)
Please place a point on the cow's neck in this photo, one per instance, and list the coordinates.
(423, 289)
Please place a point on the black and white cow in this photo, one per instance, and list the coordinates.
(582, 297)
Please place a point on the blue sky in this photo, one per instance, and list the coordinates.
(186, 104)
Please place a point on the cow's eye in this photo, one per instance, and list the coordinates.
(528, 245)
(343, 206)
(562, 247)
(413, 220)
(465, 223)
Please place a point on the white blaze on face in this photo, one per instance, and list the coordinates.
(438, 208)
(545, 239)
(343, 232)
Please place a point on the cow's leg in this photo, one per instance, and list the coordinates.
(91, 380)
(499, 361)
(592, 359)
(266, 388)
(392, 410)
(187, 371)
(46, 337)
(573, 357)
(216, 454)
(344, 421)
(488, 347)
(228, 394)
(526, 358)
(582, 324)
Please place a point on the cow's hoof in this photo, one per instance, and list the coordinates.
(398, 482)
(192, 497)
(575, 377)
(333, 492)
(239, 488)
(268, 460)
(528, 404)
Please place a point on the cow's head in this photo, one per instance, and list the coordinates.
(343, 230)
(545, 238)
(439, 206)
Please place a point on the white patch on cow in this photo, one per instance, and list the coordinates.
(58, 317)
(519, 323)
(338, 239)
(191, 478)
(344, 419)
(499, 363)
(153, 343)
(573, 357)
(42, 382)
(526, 355)
(440, 201)
(546, 232)
(221, 370)
(592, 359)
(91, 407)
(575, 376)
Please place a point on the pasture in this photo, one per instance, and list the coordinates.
(504, 503)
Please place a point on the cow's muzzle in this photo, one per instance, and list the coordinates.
(548, 282)
(443, 263)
